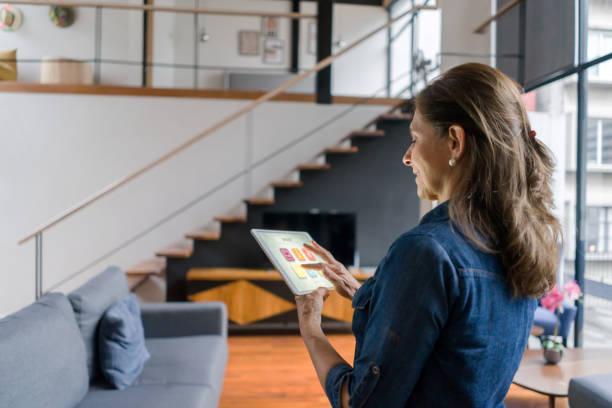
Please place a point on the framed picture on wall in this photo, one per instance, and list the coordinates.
(269, 26)
(273, 51)
(312, 38)
(248, 42)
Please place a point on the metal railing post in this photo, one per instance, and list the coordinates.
(39, 264)
(248, 165)
(97, 45)
(196, 46)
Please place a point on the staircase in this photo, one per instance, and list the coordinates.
(364, 174)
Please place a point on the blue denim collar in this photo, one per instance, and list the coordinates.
(440, 213)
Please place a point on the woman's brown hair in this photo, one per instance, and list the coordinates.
(503, 200)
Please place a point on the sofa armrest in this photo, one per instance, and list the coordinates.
(591, 391)
(174, 319)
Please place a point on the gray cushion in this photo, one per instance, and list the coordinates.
(182, 372)
(90, 301)
(150, 396)
(122, 343)
(186, 360)
(42, 356)
(591, 391)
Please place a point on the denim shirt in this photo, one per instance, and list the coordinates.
(436, 326)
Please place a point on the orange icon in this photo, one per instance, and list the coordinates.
(298, 254)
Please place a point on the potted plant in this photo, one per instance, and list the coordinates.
(553, 301)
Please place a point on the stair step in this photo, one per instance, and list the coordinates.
(134, 281)
(287, 184)
(314, 166)
(203, 234)
(261, 201)
(177, 250)
(231, 219)
(153, 266)
(342, 149)
(395, 116)
(366, 133)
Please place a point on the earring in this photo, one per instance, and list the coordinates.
(452, 162)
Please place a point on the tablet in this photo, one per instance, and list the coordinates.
(286, 251)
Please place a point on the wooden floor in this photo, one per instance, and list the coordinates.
(275, 372)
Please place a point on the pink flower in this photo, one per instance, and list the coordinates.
(572, 290)
(553, 299)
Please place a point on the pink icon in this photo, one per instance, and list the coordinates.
(287, 255)
(308, 254)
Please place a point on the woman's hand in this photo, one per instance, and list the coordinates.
(309, 308)
(344, 282)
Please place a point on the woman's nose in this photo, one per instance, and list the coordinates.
(407, 157)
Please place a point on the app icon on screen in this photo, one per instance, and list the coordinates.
(299, 271)
(308, 254)
(287, 255)
(312, 273)
(298, 254)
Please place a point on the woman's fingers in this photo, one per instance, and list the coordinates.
(314, 265)
(322, 252)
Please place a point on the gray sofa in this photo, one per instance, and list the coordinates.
(48, 351)
(591, 391)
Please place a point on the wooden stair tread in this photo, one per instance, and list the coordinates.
(366, 133)
(261, 201)
(134, 281)
(287, 184)
(177, 250)
(153, 266)
(341, 149)
(203, 234)
(314, 166)
(196, 274)
(395, 116)
(231, 219)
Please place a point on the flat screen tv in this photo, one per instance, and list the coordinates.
(333, 231)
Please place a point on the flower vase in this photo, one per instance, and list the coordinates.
(553, 355)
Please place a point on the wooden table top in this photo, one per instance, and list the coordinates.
(553, 380)
(241, 273)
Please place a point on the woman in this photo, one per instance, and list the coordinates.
(445, 319)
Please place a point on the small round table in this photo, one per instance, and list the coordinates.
(553, 379)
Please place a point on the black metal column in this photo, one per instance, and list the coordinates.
(581, 161)
(412, 53)
(389, 51)
(324, 48)
(522, 41)
(145, 44)
(295, 37)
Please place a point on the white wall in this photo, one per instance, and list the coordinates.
(459, 19)
(55, 150)
(38, 37)
(360, 72)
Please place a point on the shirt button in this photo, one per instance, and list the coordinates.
(375, 370)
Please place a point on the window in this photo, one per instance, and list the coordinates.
(599, 230)
(600, 43)
(599, 141)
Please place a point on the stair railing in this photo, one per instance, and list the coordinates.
(38, 233)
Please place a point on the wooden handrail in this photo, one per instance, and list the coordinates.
(266, 97)
(502, 10)
(163, 9)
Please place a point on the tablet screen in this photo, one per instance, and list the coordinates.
(287, 253)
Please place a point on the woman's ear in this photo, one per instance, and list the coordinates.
(456, 141)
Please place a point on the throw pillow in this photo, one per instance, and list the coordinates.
(8, 65)
(122, 344)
